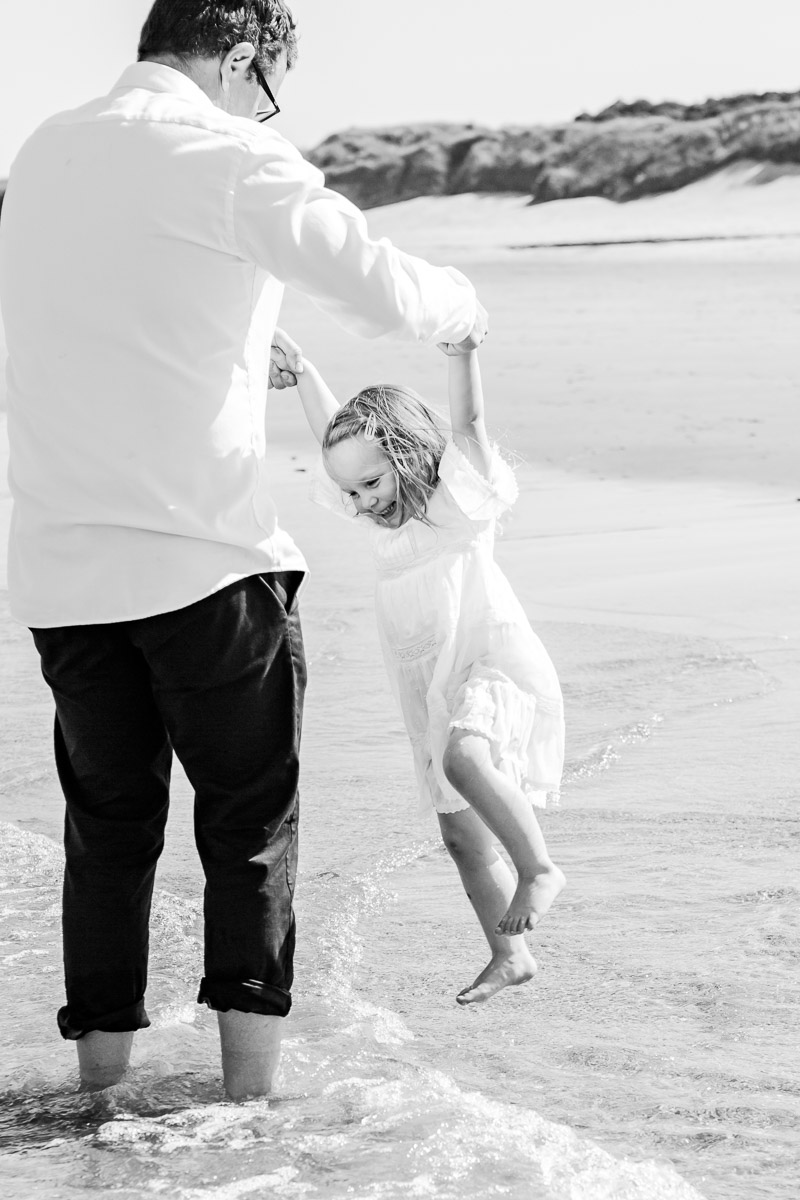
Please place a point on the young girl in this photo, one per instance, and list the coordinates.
(478, 693)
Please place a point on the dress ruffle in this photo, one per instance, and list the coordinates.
(518, 729)
(479, 498)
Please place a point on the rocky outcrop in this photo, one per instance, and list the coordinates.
(688, 112)
(623, 153)
(380, 166)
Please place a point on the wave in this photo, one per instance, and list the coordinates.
(360, 1108)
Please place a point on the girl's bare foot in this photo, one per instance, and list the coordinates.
(531, 900)
(503, 970)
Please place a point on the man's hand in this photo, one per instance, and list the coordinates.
(285, 361)
(473, 339)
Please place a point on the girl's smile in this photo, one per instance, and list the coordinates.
(364, 473)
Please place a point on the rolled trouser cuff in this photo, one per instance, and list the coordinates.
(248, 995)
(73, 1026)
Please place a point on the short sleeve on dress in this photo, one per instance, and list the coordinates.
(479, 498)
(323, 491)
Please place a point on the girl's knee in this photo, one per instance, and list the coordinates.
(466, 839)
(462, 759)
(454, 841)
(459, 846)
(451, 844)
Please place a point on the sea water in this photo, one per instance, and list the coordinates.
(654, 1057)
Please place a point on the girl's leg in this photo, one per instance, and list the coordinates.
(508, 813)
(490, 887)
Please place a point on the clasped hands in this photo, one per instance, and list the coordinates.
(286, 357)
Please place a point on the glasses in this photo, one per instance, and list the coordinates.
(264, 114)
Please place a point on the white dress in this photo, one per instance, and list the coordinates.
(458, 646)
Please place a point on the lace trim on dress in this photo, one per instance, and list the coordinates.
(418, 650)
(553, 707)
(436, 551)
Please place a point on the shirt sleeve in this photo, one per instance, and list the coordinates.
(479, 498)
(314, 240)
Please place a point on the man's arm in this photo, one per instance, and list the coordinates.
(316, 241)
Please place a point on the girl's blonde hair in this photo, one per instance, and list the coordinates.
(408, 432)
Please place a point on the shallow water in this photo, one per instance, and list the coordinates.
(654, 1055)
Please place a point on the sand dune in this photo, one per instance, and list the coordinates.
(747, 201)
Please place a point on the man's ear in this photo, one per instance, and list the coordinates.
(235, 63)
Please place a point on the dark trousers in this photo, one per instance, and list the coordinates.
(221, 682)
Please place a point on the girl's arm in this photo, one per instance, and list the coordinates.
(288, 368)
(319, 402)
(466, 409)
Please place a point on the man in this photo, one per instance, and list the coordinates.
(146, 239)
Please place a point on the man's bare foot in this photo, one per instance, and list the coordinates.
(503, 970)
(531, 900)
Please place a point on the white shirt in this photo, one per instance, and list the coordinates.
(145, 241)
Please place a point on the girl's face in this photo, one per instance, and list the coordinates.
(364, 473)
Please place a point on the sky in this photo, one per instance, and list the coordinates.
(375, 62)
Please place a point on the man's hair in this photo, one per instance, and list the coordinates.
(195, 29)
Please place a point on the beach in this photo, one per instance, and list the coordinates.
(646, 393)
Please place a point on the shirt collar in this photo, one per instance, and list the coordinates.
(155, 77)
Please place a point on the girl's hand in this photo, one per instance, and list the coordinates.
(474, 338)
(285, 361)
